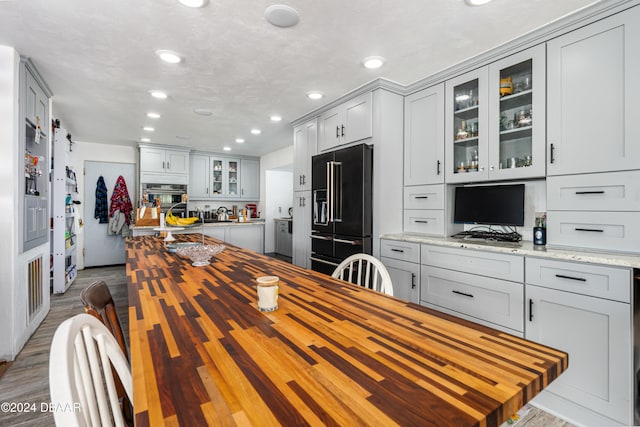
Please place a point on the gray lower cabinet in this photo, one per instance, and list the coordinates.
(283, 237)
(584, 310)
(484, 287)
(402, 260)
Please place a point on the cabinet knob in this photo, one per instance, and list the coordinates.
(481, 169)
(491, 167)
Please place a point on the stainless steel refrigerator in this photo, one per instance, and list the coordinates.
(342, 209)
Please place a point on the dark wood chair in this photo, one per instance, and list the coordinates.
(98, 302)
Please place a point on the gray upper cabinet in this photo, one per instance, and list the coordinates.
(592, 97)
(249, 179)
(162, 160)
(424, 137)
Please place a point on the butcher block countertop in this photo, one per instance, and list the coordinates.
(332, 354)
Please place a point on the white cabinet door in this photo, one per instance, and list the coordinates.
(424, 137)
(329, 131)
(358, 119)
(405, 278)
(597, 335)
(302, 228)
(250, 179)
(466, 130)
(517, 115)
(305, 140)
(199, 176)
(177, 161)
(348, 122)
(592, 102)
(152, 160)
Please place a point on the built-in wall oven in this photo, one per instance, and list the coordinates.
(166, 195)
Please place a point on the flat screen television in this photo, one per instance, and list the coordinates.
(490, 205)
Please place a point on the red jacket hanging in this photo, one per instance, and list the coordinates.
(120, 200)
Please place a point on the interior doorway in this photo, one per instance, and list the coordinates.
(278, 200)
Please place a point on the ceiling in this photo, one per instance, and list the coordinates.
(99, 60)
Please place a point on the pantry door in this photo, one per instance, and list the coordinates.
(100, 248)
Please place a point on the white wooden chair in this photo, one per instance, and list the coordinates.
(365, 270)
(84, 356)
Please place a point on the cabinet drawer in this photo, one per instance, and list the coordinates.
(403, 251)
(424, 221)
(492, 300)
(617, 191)
(500, 266)
(424, 197)
(615, 231)
(593, 280)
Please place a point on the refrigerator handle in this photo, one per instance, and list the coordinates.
(336, 191)
(329, 191)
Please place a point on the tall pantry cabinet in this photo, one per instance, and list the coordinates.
(24, 171)
(305, 139)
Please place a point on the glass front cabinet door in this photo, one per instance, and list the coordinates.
(492, 132)
(466, 127)
(216, 177)
(517, 115)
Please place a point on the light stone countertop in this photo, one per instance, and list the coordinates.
(198, 225)
(525, 248)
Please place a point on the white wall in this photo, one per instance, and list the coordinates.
(83, 151)
(8, 195)
(279, 160)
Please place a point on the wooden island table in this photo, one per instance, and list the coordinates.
(332, 354)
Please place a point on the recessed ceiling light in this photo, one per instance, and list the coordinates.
(153, 115)
(168, 56)
(148, 128)
(275, 118)
(256, 131)
(314, 95)
(281, 15)
(145, 140)
(158, 94)
(202, 112)
(194, 3)
(239, 140)
(226, 148)
(476, 2)
(373, 62)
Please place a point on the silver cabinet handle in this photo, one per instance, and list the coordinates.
(349, 242)
(421, 221)
(589, 192)
(323, 261)
(421, 197)
(168, 166)
(320, 237)
(397, 250)
(163, 165)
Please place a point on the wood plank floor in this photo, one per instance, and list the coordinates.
(27, 379)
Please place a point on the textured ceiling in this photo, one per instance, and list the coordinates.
(99, 59)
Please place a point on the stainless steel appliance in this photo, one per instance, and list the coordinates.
(342, 208)
(168, 195)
